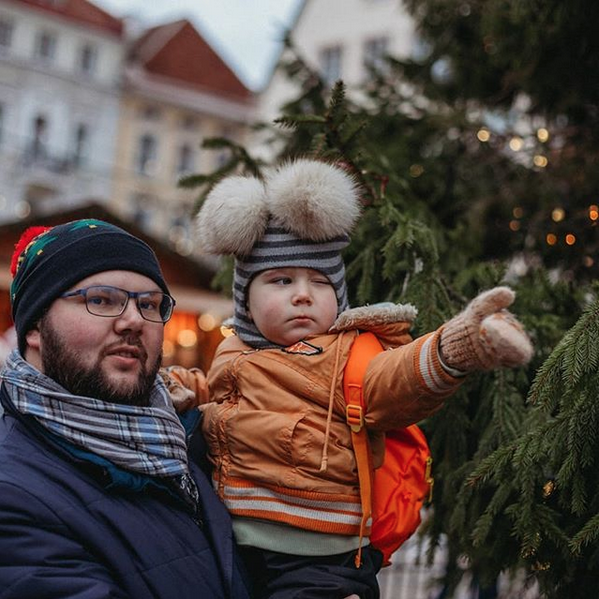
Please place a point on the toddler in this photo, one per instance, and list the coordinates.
(275, 425)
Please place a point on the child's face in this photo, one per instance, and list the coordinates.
(288, 304)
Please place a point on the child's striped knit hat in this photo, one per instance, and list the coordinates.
(299, 216)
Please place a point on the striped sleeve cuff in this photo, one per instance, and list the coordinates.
(433, 374)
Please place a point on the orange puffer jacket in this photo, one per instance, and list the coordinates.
(276, 428)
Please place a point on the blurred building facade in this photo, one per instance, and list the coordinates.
(100, 118)
(60, 69)
(93, 107)
(341, 39)
(176, 92)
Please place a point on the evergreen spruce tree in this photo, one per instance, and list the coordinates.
(470, 179)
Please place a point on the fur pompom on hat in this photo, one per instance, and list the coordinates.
(300, 216)
(233, 217)
(313, 200)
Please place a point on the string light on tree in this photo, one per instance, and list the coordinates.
(542, 135)
(483, 135)
(516, 143)
(416, 170)
(558, 214)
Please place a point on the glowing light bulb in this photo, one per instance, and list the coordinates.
(187, 338)
(483, 135)
(516, 144)
(542, 134)
(207, 322)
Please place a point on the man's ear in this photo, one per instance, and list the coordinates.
(33, 337)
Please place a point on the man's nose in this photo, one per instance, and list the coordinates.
(131, 317)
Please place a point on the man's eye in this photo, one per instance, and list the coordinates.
(100, 300)
(148, 305)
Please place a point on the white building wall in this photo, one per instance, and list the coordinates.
(66, 97)
(350, 25)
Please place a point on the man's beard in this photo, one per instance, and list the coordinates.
(64, 366)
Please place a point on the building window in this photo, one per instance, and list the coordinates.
(87, 59)
(185, 160)
(80, 145)
(146, 154)
(6, 30)
(37, 145)
(45, 45)
(143, 210)
(375, 51)
(188, 122)
(330, 64)
(150, 113)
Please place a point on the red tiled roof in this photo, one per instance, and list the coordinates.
(177, 51)
(79, 11)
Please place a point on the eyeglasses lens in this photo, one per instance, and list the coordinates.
(106, 301)
(155, 306)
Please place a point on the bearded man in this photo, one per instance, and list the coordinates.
(97, 495)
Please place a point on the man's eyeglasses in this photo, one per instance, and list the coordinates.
(104, 300)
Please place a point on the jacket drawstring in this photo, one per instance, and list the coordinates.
(325, 450)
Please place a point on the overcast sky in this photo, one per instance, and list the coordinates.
(246, 33)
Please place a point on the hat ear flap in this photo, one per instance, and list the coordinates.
(313, 200)
(233, 217)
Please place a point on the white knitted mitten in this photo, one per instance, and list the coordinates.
(485, 335)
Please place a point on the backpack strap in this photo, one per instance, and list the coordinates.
(363, 349)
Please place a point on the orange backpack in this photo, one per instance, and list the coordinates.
(394, 493)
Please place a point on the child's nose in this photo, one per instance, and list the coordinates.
(302, 293)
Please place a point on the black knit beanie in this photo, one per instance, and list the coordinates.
(60, 257)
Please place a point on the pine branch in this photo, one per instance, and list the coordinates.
(586, 536)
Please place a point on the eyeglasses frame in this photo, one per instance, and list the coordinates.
(130, 294)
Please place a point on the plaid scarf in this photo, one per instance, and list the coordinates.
(145, 440)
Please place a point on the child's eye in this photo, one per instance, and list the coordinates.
(281, 280)
(322, 281)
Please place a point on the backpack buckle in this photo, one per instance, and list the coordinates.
(354, 416)
(428, 477)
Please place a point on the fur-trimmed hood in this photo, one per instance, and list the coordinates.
(371, 317)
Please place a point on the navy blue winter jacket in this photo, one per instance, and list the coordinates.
(70, 527)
